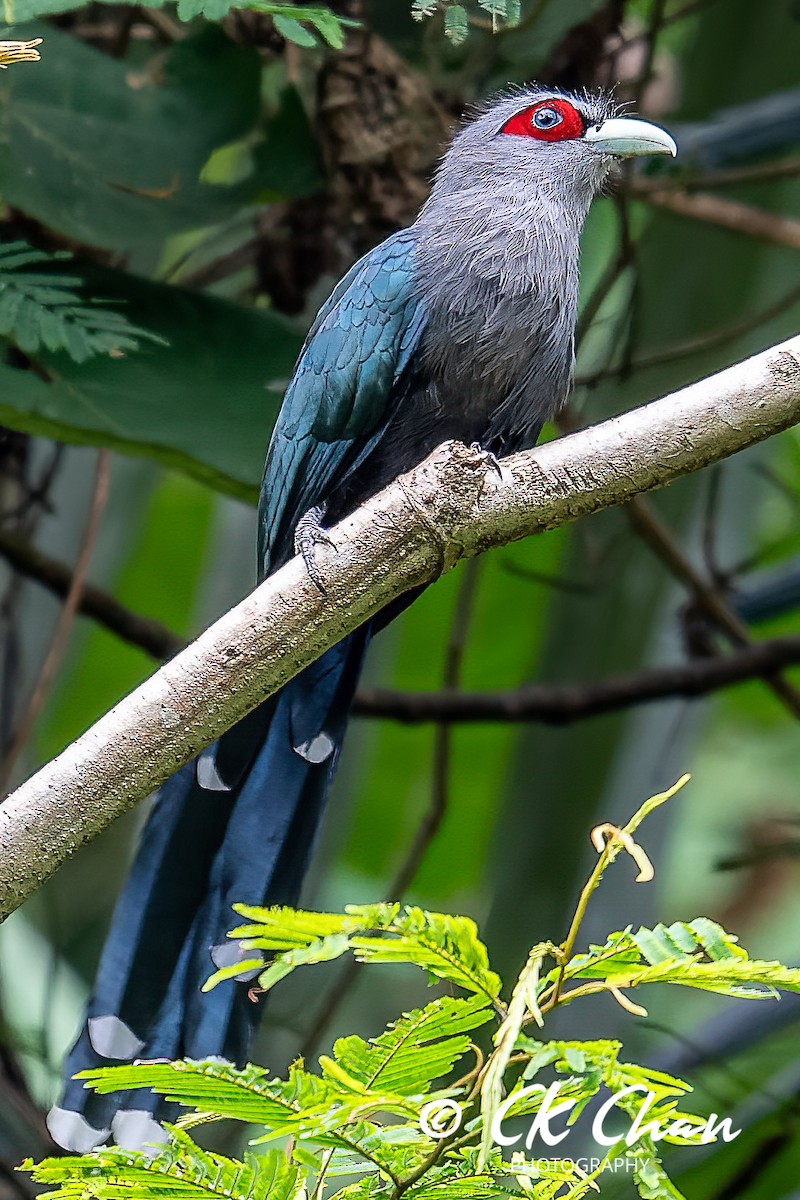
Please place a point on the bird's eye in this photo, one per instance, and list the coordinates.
(547, 118)
(555, 120)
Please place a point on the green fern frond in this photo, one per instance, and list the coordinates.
(46, 310)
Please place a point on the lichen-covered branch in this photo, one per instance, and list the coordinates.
(453, 505)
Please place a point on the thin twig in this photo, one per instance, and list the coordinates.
(726, 214)
(648, 525)
(147, 633)
(654, 27)
(771, 172)
(454, 657)
(65, 621)
(695, 345)
(562, 704)
(432, 819)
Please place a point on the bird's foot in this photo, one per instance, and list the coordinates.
(487, 458)
(309, 534)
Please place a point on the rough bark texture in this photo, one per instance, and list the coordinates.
(453, 505)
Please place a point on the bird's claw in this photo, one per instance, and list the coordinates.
(310, 533)
(488, 459)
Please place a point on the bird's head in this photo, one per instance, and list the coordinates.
(556, 143)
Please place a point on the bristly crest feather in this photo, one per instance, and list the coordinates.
(596, 104)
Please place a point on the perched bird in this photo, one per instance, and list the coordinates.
(461, 326)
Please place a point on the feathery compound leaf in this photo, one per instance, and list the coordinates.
(456, 24)
(181, 1170)
(280, 928)
(745, 978)
(43, 310)
(444, 946)
(697, 953)
(681, 939)
(308, 1107)
(418, 1048)
(205, 1086)
(652, 1181)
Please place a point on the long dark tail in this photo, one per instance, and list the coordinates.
(237, 824)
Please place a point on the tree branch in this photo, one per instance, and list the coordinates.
(549, 704)
(728, 214)
(452, 506)
(145, 632)
(560, 704)
(769, 172)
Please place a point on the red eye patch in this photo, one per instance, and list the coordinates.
(548, 121)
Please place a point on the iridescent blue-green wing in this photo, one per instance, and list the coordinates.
(343, 390)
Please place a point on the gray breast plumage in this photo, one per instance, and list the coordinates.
(500, 280)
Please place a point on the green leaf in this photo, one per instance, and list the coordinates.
(497, 8)
(306, 1106)
(213, 1086)
(172, 402)
(293, 31)
(752, 979)
(319, 950)
(112, 158)
(327, 23)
